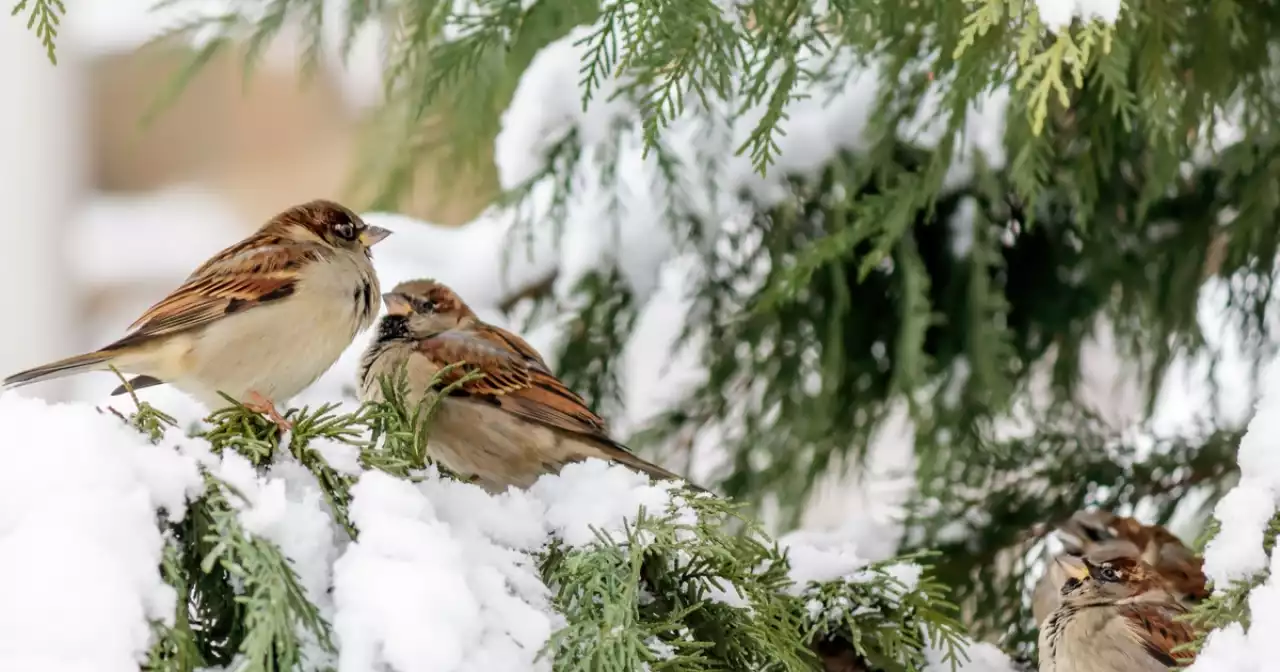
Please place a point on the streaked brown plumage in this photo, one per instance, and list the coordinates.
(506, 428)
(259, 321)
(1099, 531)
(1116, 616)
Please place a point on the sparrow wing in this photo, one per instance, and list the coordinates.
(1155, 628)
(515, 379)
(258, 270)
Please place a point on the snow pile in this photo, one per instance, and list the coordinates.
(415, 594)
(1231, 649)
(977, 657)
(1236, 553)
(1058, 14)
(443, 576)
(79, 546)
(825, 118)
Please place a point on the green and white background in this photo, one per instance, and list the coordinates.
(897, 278)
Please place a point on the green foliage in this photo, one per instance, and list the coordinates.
(885, 619)
(43, 17)
(1229, 604)
(882, 282)
(985, 516)
(677, 589)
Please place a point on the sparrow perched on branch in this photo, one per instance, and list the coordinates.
(507, 427)
(1098, 531)
(260, 321)
(1116, 616)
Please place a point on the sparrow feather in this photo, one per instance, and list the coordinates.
(512, 380)
(1156, 628)
(245, 276)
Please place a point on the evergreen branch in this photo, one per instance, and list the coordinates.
(175, 648)
(400, 428)
(246, 432)
(324, 424)
(1229, 604)
(886, 615)
(44, 17)
(273, 605)
(674, 594)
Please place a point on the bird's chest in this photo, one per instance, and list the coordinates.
(1086, 640)
(346, 287)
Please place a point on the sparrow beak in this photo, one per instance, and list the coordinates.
(372, 234)
(397, 304)
(1074, 567)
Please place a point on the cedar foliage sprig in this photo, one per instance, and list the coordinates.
(676, 589)
(1230, 604)
(43, 18)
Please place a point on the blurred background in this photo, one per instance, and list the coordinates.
(111, 206)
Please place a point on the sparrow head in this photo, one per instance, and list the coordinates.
(328, 223)
(1100, 532)
(423, 308)
(1107, 576)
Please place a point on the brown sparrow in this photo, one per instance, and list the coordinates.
(1099, 531)
(260, 321)
(506, 428)
(1116, 616)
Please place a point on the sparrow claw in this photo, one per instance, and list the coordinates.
(260, 404)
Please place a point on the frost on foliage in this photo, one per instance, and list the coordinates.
(79, 546)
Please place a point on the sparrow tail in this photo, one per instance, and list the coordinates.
(90, 361)
(624, 456)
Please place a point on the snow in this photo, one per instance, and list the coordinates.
(976, 657)
(818, 557)
(443, 576)
(414, 594)
(287, 508)
(1236, 553)
(1058, 14)
(474, 543)
(541, 113)
(597, 497)
(78, 485)
(1233, 649)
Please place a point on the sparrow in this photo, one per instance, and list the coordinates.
(260, 321)
(1116, 615)
(1089, 531)
(506, 428)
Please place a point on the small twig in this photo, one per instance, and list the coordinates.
(534, 290)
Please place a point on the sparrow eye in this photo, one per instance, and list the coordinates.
(345, 230)
(424, 306)
(1109, 574)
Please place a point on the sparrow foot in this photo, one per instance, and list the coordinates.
(260, 404)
